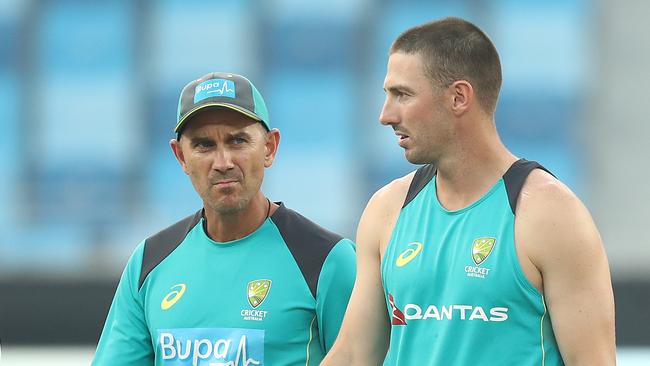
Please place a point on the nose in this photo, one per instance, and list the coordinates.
(388, 114)
(222, 160)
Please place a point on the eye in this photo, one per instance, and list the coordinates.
(239, 139)
(203, 144)
(400, 95)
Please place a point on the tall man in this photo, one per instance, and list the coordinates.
(243, 281)
(477, 258)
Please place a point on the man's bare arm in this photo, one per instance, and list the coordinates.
(364, 336)
(562, 241)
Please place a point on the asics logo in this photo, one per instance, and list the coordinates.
(173, 297)
(408, 255)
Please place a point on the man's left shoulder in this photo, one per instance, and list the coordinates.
(552, 215)
(297, 229)
(542, 192)
(309, 243)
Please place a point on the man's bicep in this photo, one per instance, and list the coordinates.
(125, 339)
(576, 281)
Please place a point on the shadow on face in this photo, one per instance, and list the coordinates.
(225, 117)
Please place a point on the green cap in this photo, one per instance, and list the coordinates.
(220, 89)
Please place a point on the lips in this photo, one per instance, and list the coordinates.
(225, 183)
(402, 138)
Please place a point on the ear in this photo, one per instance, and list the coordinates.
(178, 153)
(462, 96)
(271, 146)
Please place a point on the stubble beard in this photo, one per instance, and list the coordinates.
(420, 156)
(227, 205)
(414, 155)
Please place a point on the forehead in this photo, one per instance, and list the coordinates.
(404, 70)
(221, 117)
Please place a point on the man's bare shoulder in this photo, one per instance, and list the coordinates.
(552, 221)
(555, 231)
(542, 190)
(392, 195)
(381, 213)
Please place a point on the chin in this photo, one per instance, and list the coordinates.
(421, 157)
(414, 158)
(227, 205)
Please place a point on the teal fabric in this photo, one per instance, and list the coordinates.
(214, 319)
(260, 108)
(462, 305)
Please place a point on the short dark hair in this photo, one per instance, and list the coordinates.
(454, 49)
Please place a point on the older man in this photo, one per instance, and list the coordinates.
(243, 281)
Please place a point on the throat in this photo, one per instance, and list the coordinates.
(456, 201)
(455, 195)
(227, 227)
(460, 183)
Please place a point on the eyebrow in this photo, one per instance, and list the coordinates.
(242, 134)
(399, 87)
(196, 139)
(236, 134)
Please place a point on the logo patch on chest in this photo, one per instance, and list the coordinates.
(408, 255)
(172, 297)
(481, 250)
(210, 346)
(257, 291)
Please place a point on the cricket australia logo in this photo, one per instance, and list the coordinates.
(257, 291)
(481, 250)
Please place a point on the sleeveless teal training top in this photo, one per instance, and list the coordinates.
(455, 290)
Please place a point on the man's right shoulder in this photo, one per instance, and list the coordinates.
(387, 202)
(398, 192)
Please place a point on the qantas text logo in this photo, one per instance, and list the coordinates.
(445, 312)
(455, 312)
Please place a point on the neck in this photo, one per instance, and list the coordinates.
(222, 227)
(473, 165)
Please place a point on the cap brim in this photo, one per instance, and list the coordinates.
(221, 104)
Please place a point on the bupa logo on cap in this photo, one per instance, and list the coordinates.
(214, 88)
